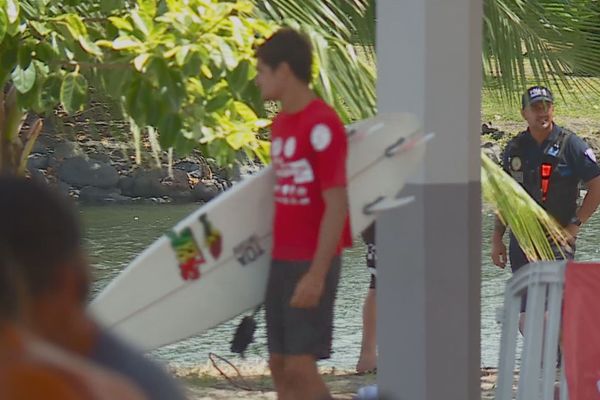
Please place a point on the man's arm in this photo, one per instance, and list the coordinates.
(499, 229)
(588, 207)
(590, 201)
(310, 288)
(498, 247)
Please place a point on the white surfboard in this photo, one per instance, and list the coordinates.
(214, 264)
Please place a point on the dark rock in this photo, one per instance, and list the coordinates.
(487, 129)
(67, 149)
(187, 166)
(37, 161)
(498, 135)
(205, 192)
(94, 195)
(63, 188)
(155, 183)
(39, 148)
(38, 175)
(80, 172)
(103, 157)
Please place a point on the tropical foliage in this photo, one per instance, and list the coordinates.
(534, 229)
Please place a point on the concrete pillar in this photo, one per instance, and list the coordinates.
(429, 252)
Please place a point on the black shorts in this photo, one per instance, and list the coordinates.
(518, 259)
(298, 331)
(373, 282)
(371, 261)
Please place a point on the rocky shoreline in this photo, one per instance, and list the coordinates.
(103, 170)
(97, 172)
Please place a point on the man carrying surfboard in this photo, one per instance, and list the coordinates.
(309, 151)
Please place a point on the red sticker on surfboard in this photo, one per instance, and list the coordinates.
(212, 237)
(189, 256)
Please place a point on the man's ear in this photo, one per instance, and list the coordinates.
(284, 69)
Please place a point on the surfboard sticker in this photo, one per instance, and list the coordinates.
(248, 251)
(189, 256)
(212, 237)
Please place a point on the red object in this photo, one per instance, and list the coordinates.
(190, 270)
(309, 150)
(581, 330)
(546, 170)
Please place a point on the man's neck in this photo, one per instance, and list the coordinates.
(296, 99)
(540, 135)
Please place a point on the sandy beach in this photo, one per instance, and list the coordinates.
(256, 384)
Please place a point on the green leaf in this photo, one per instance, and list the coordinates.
(45, 52)
(239, 77)
(107, 6)
(244, 111)
(40, 27)
(3, 24)
(228, 55)
(217, 103)
(148, 7)
(90, 47)
(243, 6)
(140, 23)
(73, 92)
(134, 98)
(8, 58)
(125, 42)
(24, 56)
(239, 139)
(51, 92)
(206, 71)
(140, 61)
(168, 130)
(75, 25)
(184, 146)
(121, 23)
(181, 55)
(24, 79)
(12, 10)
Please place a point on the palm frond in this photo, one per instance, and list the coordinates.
(535, 230)
(338, 29)
(542, 41)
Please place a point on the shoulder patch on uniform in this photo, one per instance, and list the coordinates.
(320, 137)
(590, 154)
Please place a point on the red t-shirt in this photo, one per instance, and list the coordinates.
(309, 150)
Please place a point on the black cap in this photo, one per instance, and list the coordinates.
(535, 94)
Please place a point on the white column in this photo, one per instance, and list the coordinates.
(429, 253)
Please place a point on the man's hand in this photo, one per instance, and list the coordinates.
(499, 253)
(308, 291)
(572, 232)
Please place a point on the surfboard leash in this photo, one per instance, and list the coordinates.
(244, 385)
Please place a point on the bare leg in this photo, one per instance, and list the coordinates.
(277, 366)
(368, 351)
(303, 378)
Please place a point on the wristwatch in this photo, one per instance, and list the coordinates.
(575, 221)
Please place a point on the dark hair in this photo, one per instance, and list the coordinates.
(9, 291)
(289, 46)
(39, 231)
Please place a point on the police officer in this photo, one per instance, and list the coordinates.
(549, 162)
